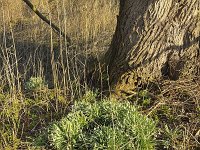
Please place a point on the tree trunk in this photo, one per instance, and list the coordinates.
(154, 39)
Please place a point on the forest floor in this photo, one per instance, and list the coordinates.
(40, 78)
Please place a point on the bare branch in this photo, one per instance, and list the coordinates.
(53, 26)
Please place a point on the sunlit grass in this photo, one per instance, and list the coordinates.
(107, 124)
(29, 49)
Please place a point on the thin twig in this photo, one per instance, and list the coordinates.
(53, 26)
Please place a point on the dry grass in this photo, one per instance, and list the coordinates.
(176, 108)
(39, 51)
(29, 48)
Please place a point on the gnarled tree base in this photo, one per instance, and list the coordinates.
(153, 40)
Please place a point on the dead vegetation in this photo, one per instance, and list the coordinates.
(30, 48)
(176, 108)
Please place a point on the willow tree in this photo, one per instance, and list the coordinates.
(154, 39)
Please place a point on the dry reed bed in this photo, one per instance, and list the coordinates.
(28, 47)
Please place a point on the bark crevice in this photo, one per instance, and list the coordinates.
(153, 40)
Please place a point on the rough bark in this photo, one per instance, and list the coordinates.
(154, 39)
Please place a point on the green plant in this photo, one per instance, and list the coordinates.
(35, 83)
(107, 124)
(143, 98)
(171, 137)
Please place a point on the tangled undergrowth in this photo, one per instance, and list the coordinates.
(175, 105)
(106, 124)
(40, 80)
